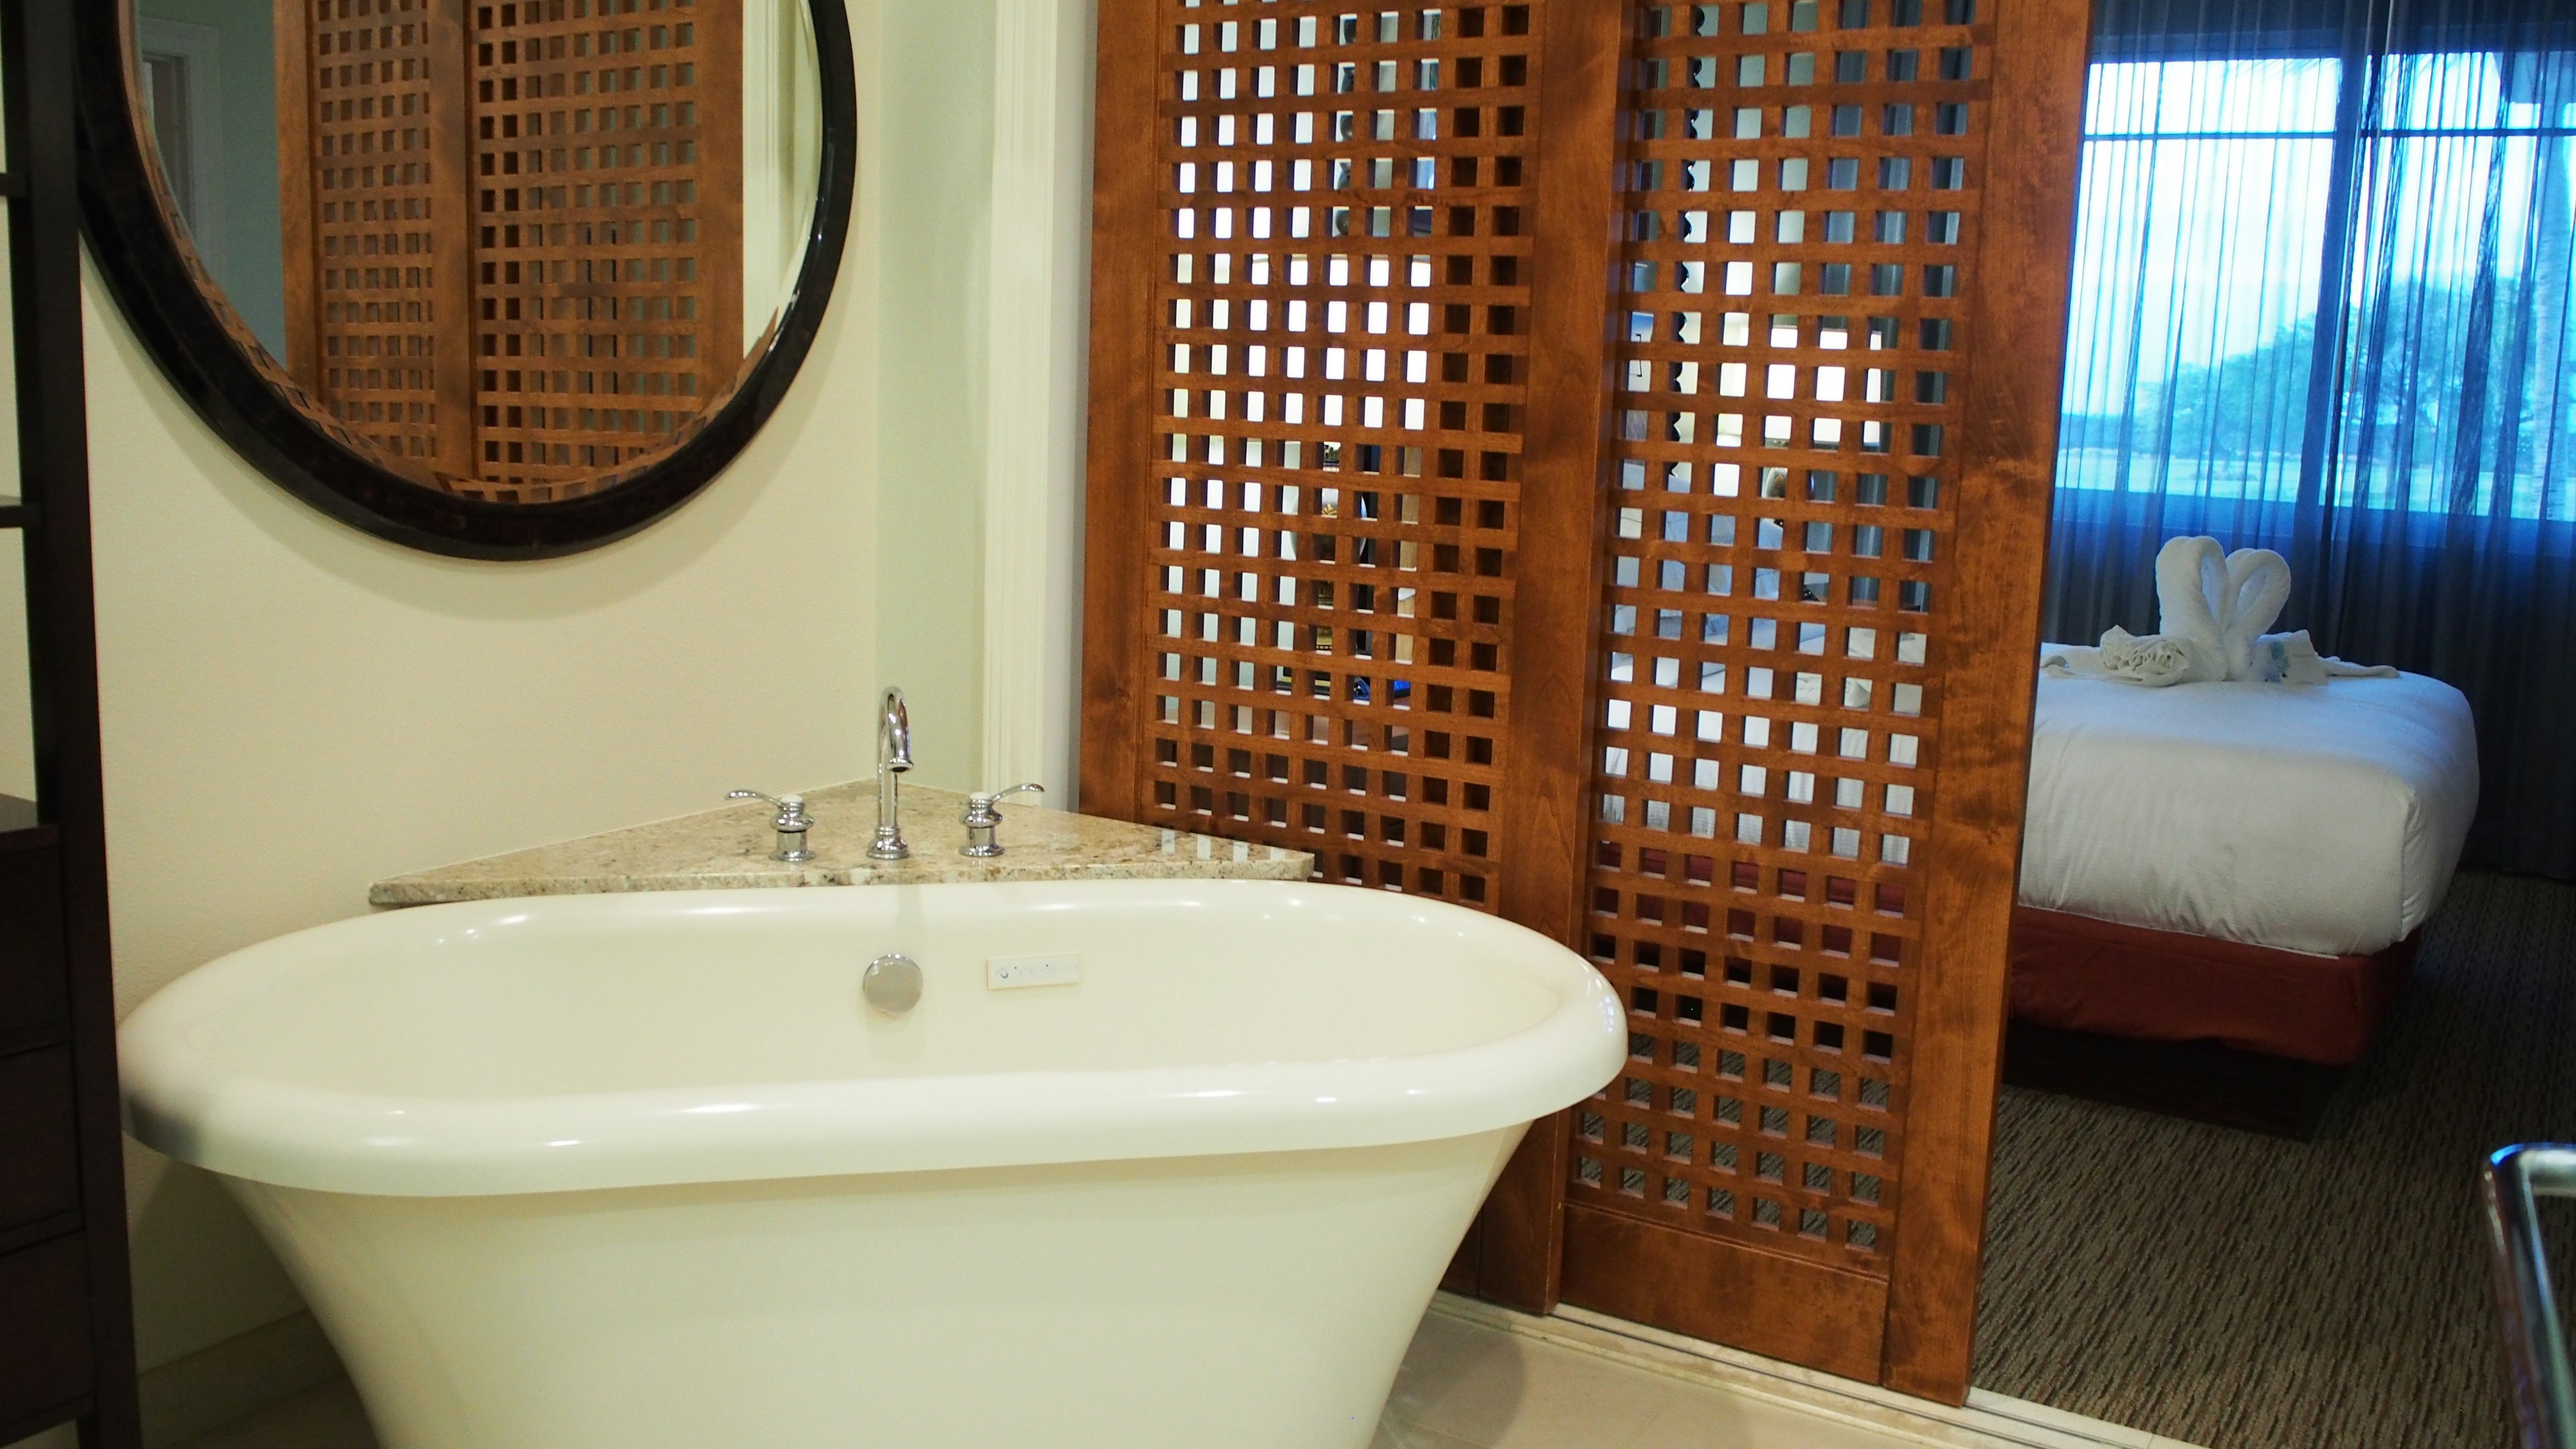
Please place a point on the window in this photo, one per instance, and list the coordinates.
(2424, 197)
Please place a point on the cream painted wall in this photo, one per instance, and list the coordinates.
(934, 145)
(293, 709)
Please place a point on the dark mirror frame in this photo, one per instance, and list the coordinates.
(162, 300)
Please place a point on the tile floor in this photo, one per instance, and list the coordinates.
(1482, 1378)
(1468, 1385)
(323, 1418)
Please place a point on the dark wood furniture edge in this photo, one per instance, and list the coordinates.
(2007, 470)
(38, 38)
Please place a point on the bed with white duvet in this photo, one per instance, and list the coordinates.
(2324, 819)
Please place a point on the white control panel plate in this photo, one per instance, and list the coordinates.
(1003, 973)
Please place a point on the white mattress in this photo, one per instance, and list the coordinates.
(2323, 818)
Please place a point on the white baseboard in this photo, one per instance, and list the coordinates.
(1988, 1421)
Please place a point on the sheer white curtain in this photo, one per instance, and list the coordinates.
(2322, 305)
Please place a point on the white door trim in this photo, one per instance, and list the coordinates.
(201, 47)
(1037, 324)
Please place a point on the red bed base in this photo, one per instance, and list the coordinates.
(2074, 973)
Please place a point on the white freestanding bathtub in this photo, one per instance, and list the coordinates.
(643, 1171)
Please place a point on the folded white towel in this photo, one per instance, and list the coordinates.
(2151, 659)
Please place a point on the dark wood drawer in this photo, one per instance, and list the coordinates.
(39, 1147)
(44, 1327)
(31, 937)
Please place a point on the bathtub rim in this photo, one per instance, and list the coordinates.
(184, 1104)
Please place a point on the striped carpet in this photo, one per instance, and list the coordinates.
(2240, 1292)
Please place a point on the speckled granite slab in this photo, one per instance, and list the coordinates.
(727, 848)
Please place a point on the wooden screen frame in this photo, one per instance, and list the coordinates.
(1122, 409)
(1517, 1244)
(1914, 1332)
(2008, 472)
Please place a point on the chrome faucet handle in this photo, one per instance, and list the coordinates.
(791, 823)
(983, 820)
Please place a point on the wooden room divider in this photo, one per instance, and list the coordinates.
(1590, 461)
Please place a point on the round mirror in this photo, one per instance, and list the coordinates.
(498, 278)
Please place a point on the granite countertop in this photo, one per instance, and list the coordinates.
(729, 847)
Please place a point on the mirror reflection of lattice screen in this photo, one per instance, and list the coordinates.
(1340, 357)
(379, 326)
(521, 267)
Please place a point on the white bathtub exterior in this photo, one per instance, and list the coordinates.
(631, 1172)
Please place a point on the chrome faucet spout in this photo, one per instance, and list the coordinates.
(894, 756)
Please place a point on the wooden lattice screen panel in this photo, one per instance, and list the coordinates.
(1781, 632)
(1680, 601)
(1329, 478)
(1801, 215)
(514, 254)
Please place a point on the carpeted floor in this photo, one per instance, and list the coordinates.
(2239, 1292)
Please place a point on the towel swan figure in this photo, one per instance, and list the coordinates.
(2213, 608)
